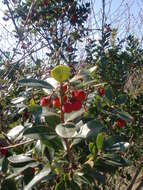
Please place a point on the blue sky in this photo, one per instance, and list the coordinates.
(125, 15)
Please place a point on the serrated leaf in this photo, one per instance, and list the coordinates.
(41, 175)
(35, 83)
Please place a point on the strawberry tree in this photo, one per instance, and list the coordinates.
(58, 144)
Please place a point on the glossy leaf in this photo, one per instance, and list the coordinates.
(41, 175)
(18, 171)
(73, 115)
(17, 159)
(18, 100)
(35, 132)
(91, 128)
(15, 132)
(67, 130)
(35, 83)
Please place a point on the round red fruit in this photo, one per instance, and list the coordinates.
(79, 95)
(45, 101)
(101, 91)
(3, 152)
(76, 105)
(67, 107)
(120, 123)
(56, 103)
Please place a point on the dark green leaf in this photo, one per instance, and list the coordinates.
(60, 186)
(99, 141)
(5, 165)
(41, 175)
(8, 184)
(91, 128)
(35, 132)
(18, 171)
(35, 83)
(123, 115)
(18, 159)
(52, 119)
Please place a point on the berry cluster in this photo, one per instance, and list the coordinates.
(120, 123)
(72, 102)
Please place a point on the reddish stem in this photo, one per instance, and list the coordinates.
(62, 121)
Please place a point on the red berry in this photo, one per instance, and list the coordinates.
(120, 123)
(67, 107)
(45, 101)
(101, 91)
(79, 95)
(76, 105)
(3, 152)
(56, 103)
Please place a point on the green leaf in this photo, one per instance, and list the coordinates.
(15, 132)
(123, 115)
(61, 73)
(8, 184)
(20, 159)
(109, 93)
(67, 130)
(99, 141)
(18, 171)
(35, 83)
(73, 115)
(5, 165)
(71, 185)
(36, 131)
(91, 128)
(18, 100)
(60, 186)
(120, 146)
(115, 160)
(41, 175)
(52, 119)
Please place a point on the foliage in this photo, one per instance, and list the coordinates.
(74, 129)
